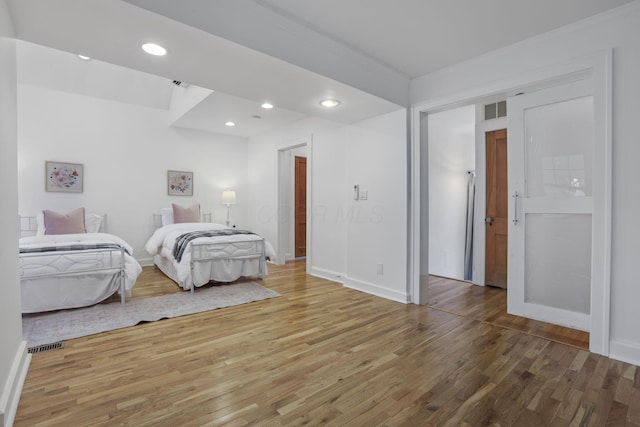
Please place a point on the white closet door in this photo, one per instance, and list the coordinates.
(551, 183)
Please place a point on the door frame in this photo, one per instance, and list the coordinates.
(600, 65)
(283, 185)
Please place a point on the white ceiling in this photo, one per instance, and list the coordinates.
(289, 52)
(58, 70)
(417, 37)
(112, 31)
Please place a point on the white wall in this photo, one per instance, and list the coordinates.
(377, 227)
(14, 360)
(620, 30)
(348, 238)
(126, 151)
(451, 156)
(64, 71)
(323, 149)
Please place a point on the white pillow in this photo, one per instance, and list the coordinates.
(40, 224)
(92, 223)
(166, 216)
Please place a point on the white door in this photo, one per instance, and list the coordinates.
(551, 186)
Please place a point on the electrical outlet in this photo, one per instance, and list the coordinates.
(364, 194)
(380, 269)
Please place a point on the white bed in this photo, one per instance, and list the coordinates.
(72, 270)
(215, 258)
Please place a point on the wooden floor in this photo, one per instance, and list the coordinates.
(323, 354)
(490, 305)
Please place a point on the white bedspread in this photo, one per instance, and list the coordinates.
(163, 240)
(53, 293)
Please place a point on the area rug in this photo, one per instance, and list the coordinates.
(47, 328)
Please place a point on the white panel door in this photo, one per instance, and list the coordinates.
(551, 182)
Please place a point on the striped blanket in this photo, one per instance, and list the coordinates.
(181, 242)
(71, 247)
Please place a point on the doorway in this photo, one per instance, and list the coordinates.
(293, 193)
(599, 68)
(467, 181)
(451, 171)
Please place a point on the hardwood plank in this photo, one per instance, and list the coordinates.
(490, 305)
(326, 354)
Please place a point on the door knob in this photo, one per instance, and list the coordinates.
(489, 220)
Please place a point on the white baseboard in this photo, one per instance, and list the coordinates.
(146, 262)
(625, 351)
(359, 285)
(327, 274)
(376, 290)
(13, 388)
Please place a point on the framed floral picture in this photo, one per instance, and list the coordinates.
(64, 177)
(179, 183)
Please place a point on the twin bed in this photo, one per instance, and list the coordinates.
(194, 253)
(76, 266)
(82, 268)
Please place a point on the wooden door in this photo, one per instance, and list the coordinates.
(496, 221)
(300, 203)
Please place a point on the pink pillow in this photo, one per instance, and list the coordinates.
(57, 223)
(181, 214)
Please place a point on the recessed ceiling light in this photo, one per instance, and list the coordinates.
(154, 49)
(267, 105)
(329, 103)
(86, 58)
(230, 124)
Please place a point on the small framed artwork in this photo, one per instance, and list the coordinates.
(64, 177)
(180, 183)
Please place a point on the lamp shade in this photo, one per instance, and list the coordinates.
(228, 197)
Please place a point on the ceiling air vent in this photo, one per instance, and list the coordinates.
(495, 110)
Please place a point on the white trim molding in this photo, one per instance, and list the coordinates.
(145, 262)
(376, 290)
(13, 388)
(625, 351)
(326, 274)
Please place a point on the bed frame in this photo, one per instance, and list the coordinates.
(206, 252)
(61, 262)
